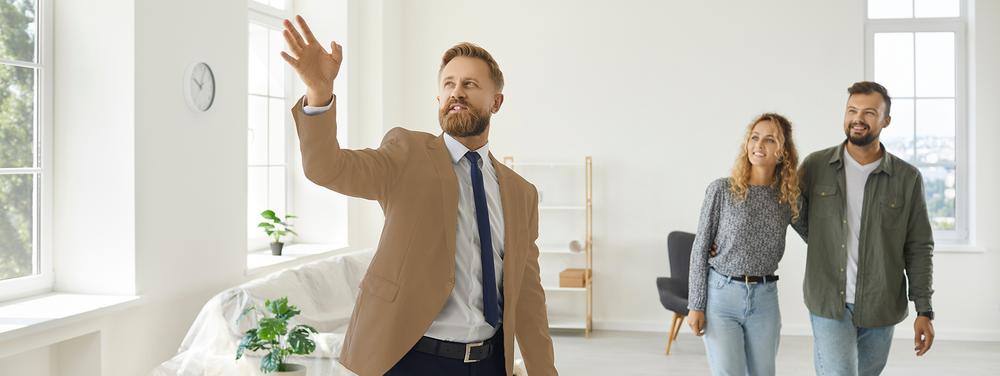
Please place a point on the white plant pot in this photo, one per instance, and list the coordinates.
(291, 369)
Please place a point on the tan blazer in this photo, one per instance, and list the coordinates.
(413, 270)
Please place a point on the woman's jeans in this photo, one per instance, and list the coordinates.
(742, 326)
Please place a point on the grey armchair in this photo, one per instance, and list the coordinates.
(674, 289)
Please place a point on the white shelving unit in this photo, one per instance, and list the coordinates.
(565, 210)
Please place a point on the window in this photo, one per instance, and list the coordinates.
(917, 50)
(275, 178)
(275, 4)
(24, 141)
(268, 177)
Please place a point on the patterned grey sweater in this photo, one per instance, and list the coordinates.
(749, 234)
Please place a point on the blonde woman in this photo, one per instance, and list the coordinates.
(733, 297)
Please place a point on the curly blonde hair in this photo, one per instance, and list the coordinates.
(786, 177)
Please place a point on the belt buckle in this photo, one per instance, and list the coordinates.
(468, 351)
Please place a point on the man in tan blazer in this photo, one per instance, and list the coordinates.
(455, 277)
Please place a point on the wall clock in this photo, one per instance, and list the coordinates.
(199, 86)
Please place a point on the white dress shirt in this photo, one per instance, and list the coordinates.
(462, 318)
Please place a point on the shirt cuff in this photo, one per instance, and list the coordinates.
(316, 110)
(922, 305)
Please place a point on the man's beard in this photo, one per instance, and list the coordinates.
(865, 140)
(468, 123)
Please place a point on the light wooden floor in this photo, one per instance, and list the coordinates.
(637, 353)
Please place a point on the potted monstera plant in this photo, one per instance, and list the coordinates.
(273, 337)
(276, 228)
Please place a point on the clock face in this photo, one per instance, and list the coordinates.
(200, 86)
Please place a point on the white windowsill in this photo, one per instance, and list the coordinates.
(260, 262)
(958, 248)
(50, 310)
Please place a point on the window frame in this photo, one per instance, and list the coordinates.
(271, 18)
(958, 26)
(269, 11)
(43, 279)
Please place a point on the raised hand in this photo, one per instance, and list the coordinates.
(316, 68)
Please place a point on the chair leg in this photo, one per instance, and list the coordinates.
(680, 323)
(674, 328)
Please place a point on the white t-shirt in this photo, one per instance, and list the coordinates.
(856, 176)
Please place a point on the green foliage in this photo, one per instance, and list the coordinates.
(275, 227)
(272, 335)
(940, 208)
(17, 138)
(299, 340)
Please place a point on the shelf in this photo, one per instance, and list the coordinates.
(561, 207)
(562, 247)
(543, 164)
(564, 289)
(558, 251)
(566, 323)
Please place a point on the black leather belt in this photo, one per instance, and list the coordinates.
(466, 352)
(748, 279)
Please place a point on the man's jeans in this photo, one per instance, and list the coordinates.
(742, 326)
(840, 348)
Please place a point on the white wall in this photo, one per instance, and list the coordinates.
(34, 362)
(372, 55)
(322, 214)
(94, 141)
(190, 173)
(659, 93)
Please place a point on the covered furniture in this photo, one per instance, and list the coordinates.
(323, 290)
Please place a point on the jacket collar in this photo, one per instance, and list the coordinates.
(886, 165)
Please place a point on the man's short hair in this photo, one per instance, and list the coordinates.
(868, 87)
(474, 51)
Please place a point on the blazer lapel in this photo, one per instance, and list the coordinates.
(511, 253)
(449, 191)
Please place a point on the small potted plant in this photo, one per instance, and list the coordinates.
(273, 336)
(276, 228)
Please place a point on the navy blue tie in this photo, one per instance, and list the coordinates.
(491, 306)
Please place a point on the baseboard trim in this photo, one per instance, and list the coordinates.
(904, 330)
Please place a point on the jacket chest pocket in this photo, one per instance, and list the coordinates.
(826, 201)
(891, 212)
